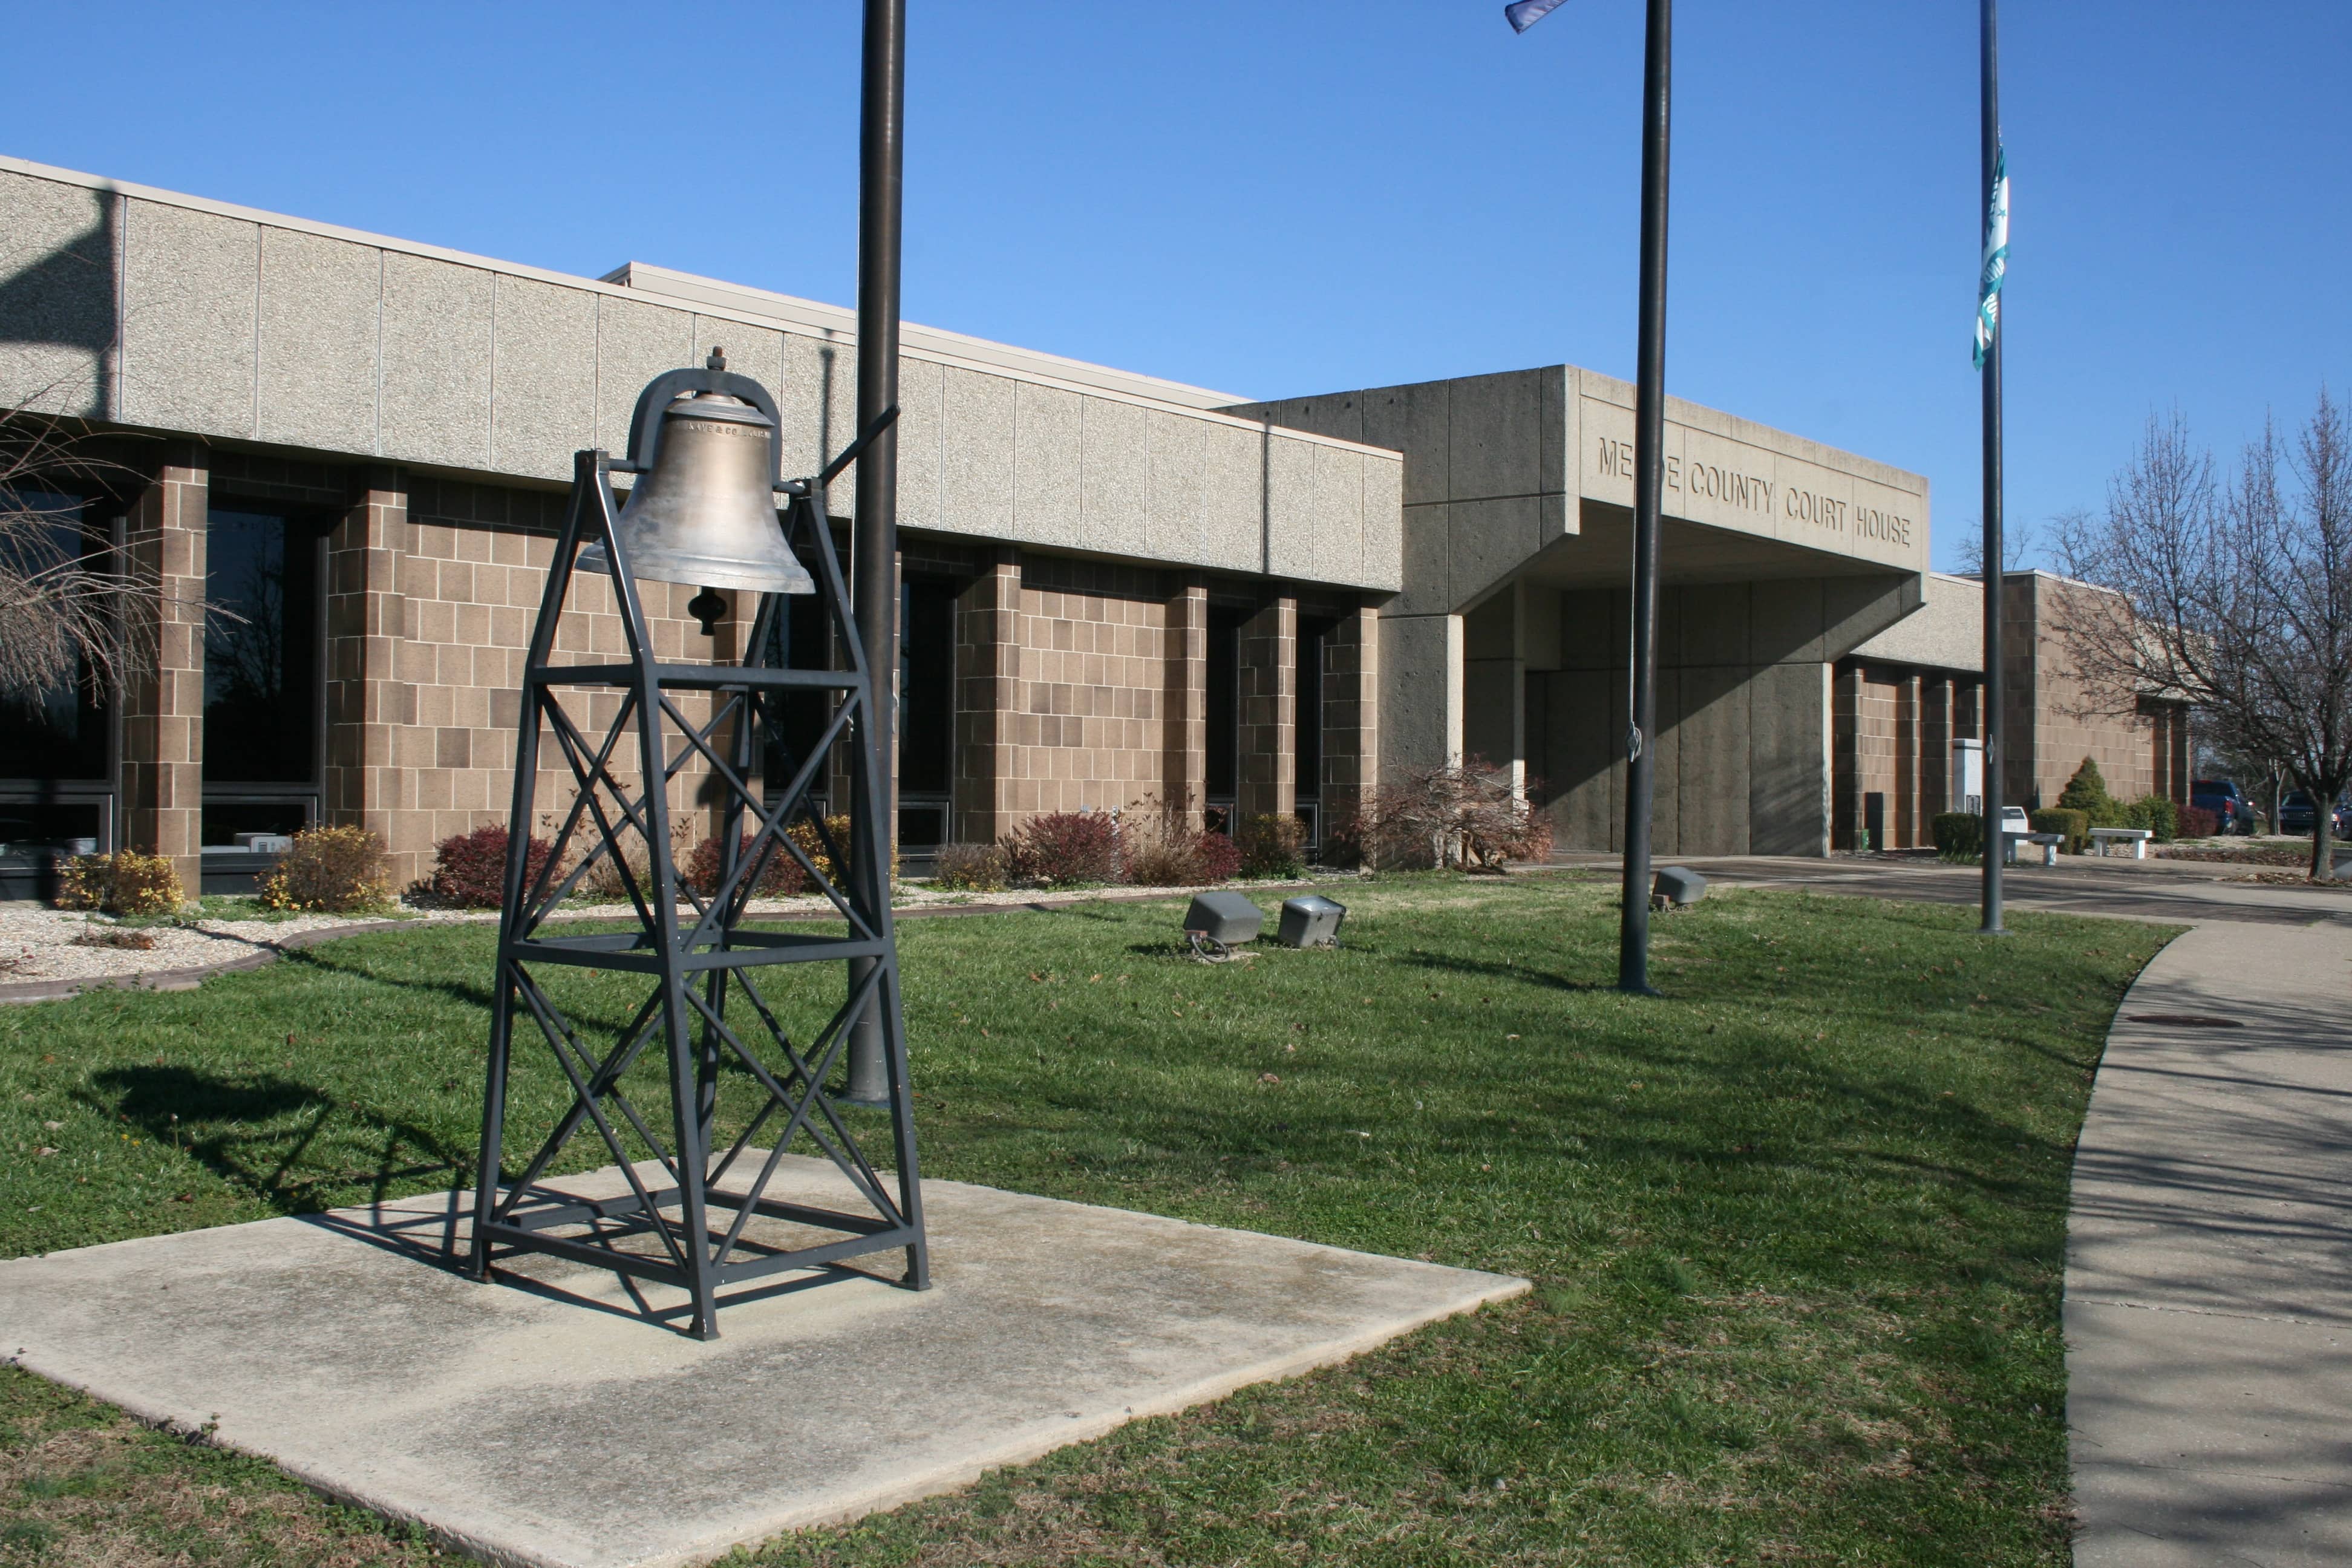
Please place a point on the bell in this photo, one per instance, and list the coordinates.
(707, 512)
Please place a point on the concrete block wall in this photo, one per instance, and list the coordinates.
(1268, 782)
(1087, 723)
(162, 785)
(157, 310)
(1744, 751)
(2054, 719)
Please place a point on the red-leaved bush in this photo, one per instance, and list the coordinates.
(470, 869)
(1065, 848)
(780, 877)
(2196, 822)
(1216, 857)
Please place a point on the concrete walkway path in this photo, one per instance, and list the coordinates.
(2209, 1270)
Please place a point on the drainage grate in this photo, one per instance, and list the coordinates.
(2186, 1020)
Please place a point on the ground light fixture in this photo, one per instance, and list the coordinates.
(638, 734)
(1217, 923)
(1310, 920)
(1676, 888)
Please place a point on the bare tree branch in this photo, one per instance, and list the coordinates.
(2236, 596)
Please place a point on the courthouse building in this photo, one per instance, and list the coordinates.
(1115, 589)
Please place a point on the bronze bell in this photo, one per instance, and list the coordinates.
(707, 512)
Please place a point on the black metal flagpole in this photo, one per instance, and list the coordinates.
(1649, 480)
(874, 544)
(1995, 846)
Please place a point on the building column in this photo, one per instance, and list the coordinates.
(163, 783)
(1185, 717)
(1351, 741)
(988, 695)
(1905, 825)
(1845, 755)
(1936, 753)
(1494, 680)
(366, 618)
(1269, 711)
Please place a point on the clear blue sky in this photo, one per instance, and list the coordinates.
(1283, 198)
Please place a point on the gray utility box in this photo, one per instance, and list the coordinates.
(1225, 918)
(1311, 921)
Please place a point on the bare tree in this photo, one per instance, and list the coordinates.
(2016, 545)
(63, 596)
(2236, 596)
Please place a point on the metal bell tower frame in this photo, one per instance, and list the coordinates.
(696, 953)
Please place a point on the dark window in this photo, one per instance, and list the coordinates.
(800, 638)
(58, 733)
(261, 649)
(264, 686)
(926, 687)
(1224, 703)
(1314, 637)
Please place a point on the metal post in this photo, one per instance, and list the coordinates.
(875, 549)
(1994, 846)
(1649, 479)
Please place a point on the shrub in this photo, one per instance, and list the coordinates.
(2074, 823)
(469, 869)
(1466, 815)
(1272, 845)
(2158, 814)
(803, 833)
(1065, 848)
(970, 868)
(2196, 822)
(1959, 835)
(124, 883)
(780, 877)
(332, 870)
(605, 882)
(2086, 792)
(1216, 857)
(1159, 849)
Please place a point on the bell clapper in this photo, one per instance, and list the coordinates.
(706, 608)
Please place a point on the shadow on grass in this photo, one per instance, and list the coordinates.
(257, 1134)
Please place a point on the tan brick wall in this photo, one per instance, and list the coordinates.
(1269, 711)
(1351, 747)
(163, 701)
(434, 595)
(2053, 719)
(1087, 728)
(1185, 779)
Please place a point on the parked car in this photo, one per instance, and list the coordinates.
(2226, 801)
(2297, 816)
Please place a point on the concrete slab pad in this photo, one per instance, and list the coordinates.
(557, 1418)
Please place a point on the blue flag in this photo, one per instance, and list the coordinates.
(1525, 13)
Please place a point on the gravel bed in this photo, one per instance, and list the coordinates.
(37, 945)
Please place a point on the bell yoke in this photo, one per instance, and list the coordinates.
(706, 448)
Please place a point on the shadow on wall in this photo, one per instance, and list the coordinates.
(64, 299)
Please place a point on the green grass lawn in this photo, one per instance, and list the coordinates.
(1797, 1229)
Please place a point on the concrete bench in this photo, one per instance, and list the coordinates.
(2046, 842)
(2106, 838)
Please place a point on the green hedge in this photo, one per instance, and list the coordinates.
(2155, 812)
(1959, 835)
(2075, 824)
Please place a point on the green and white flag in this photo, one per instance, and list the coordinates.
(1996, 256)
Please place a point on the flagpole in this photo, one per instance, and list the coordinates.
(1649, 480)
(1989, 127)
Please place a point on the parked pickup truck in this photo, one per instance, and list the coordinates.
(2231, 808)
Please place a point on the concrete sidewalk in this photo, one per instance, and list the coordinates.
(2208, 1279)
